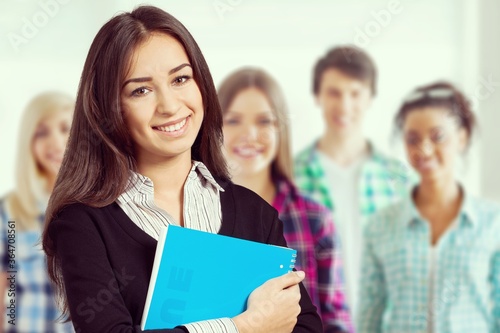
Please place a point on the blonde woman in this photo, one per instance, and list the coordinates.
(28, 297)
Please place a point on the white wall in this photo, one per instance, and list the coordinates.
(422, 40)
(490, 101)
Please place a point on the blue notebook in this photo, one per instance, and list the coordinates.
(198, 276)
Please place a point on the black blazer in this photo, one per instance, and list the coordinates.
(107, 259)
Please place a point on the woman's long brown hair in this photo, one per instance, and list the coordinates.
(99, 153)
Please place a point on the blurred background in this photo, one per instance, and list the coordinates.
(43, 45)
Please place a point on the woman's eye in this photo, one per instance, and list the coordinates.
(41, 133)
(412, 141)
(438, 137)
(266, 121)
(231, 121)
(140, 92)
(180, 80)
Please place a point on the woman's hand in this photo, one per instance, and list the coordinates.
(272, 307)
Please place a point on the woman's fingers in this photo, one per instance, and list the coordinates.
(286, 280)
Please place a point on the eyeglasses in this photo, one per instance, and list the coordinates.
(437, 93)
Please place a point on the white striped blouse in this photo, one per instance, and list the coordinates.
(202, 211)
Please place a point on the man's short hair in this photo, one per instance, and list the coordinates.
(351, 61)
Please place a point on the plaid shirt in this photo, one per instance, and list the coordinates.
(383, 181)
(396, 265)
(309, 229)
(36, 310)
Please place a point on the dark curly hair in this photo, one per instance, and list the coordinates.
(439, 94)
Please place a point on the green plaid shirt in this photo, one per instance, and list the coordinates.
(383, 180)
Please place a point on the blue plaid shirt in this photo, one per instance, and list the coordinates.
(396, 280)
(36, 311)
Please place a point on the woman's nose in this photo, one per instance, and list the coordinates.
(426, 148)
(57, 141)
(249, 132)
(167, 102)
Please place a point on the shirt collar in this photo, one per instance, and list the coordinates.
(205, 174)
(467, 214)
(468, 210)
(138, 183)
(374, 153)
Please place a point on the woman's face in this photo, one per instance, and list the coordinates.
(433, 142)
(49, 142)
(250, 133)
(162, 104)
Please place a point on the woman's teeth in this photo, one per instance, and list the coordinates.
(247, 152)
(172, 128)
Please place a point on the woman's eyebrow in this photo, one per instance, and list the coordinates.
(178, 68)
(138, 79)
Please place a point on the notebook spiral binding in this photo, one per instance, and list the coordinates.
(292, 265)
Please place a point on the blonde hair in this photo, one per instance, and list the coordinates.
(27, 201)
(248, 77)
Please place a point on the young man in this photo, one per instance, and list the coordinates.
(342, 169)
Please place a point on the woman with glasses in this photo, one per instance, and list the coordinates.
(432, 262)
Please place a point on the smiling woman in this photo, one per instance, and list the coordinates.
(145, 152)
(432, 262)
(257, 146)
